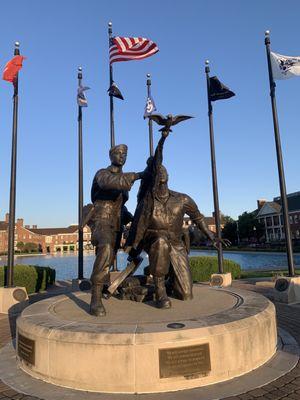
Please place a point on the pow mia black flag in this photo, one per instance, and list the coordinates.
(114, 91)
(218, 91)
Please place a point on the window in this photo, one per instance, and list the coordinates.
(276, 220)
(296, 219)
(291, 219)
(269, 221)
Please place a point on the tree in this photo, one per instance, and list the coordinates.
(230, 229)
(20, 246)
(250, 227)
(30, 247)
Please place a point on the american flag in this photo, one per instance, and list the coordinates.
(126, 49)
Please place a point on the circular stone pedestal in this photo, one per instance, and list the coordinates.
(136, 348)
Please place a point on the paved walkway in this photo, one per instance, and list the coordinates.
(284, 388)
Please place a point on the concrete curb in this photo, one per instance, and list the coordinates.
(284, 361)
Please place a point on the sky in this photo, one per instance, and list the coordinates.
(58, 36)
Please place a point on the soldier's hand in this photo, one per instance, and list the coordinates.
(139, 175)
(224, 242)
(165, 133)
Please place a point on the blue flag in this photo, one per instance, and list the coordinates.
(150, 107)
(81, 99)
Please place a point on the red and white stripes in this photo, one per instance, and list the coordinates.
(127, 49)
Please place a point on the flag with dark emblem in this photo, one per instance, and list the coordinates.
(130, 48)
(81, 99)
(150, 107)
(218, 91)
(12, 68)
(284, 67)
(115, 91)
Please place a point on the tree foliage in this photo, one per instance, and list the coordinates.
(28, 247)
(250, 227)
(230, 230)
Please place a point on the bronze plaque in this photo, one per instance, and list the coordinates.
(19, 294)
(186, 361)
(282, 284)
(26, 349)
(216, 280)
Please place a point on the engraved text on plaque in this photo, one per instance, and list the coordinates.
(184, 361)
(26, 349)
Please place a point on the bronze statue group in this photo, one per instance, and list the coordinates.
(156, 227)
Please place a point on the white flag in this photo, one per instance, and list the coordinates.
(284, 67)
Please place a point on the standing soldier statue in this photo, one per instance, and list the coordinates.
(106, 218)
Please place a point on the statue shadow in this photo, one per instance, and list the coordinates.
(83, 305)
(79, 302)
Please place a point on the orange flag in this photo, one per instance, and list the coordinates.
(12, 68)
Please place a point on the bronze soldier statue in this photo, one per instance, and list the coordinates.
(106, 219)
(157, 229)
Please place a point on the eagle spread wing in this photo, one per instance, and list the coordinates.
(158, 118)
(180, 118)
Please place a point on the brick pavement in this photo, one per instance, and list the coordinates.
(285, 388)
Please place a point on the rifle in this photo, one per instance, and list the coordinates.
(133, 265)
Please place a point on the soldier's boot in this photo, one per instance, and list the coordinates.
(96, 307)
(162, 300)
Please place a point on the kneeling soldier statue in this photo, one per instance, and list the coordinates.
(157, 229)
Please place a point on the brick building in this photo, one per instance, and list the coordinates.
(63, 239)
(22, 234)
(269, 213)
(210, 222)
(48, 240)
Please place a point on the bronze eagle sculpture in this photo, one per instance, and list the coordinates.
(168, 121)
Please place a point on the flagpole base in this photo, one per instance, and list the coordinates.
(287, 290)
(13, 300)
(81, 284)
(221, 280)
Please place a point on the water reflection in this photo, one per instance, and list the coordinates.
(66, 264)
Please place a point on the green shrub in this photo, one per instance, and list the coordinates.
(33, 277)
(203, 267)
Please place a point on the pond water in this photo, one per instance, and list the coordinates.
(66, 264)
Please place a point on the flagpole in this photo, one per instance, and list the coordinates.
(214, 172)
(13, 176)
(150, 120)
(80, 185)
(112, 120)
(285, 211)
(112, 116)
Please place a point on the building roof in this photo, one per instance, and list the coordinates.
(54, 231)
(273, 204)
(270, 207)
(293, 201)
